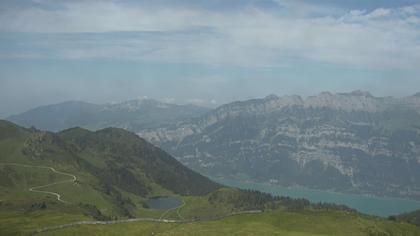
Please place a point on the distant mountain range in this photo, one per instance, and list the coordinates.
(347, 142)
(133, 115)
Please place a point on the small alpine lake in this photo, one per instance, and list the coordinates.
(163, 202)
(372, 205)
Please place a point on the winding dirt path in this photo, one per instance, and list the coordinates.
(111, 222)
(74, 178)
(35, 188)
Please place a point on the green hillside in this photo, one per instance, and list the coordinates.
(49, 179)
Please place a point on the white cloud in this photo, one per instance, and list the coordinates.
(382, 38)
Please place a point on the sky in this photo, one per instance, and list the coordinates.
(205, 52)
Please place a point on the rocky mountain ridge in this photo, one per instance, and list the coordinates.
(353, 101)
(133, 115)
(351, 142)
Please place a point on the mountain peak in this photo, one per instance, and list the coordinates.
(354, 101)
(271, 97)
(325, 93)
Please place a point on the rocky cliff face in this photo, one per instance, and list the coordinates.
(349, 142)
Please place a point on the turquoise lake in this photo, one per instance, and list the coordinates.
(372, 205)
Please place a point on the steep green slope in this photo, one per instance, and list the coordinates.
(122, 158)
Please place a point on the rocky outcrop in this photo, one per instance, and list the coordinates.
(350, 142)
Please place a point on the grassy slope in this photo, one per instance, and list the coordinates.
(269, 223)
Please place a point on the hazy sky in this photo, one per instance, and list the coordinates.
(203, 51)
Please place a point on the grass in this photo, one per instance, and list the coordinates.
(199, 208)
(24, 222)
(302, 223)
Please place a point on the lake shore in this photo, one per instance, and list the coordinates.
(367, 204)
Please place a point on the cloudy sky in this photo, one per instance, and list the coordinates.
(204, 51)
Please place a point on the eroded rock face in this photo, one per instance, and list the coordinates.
(351, 142)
